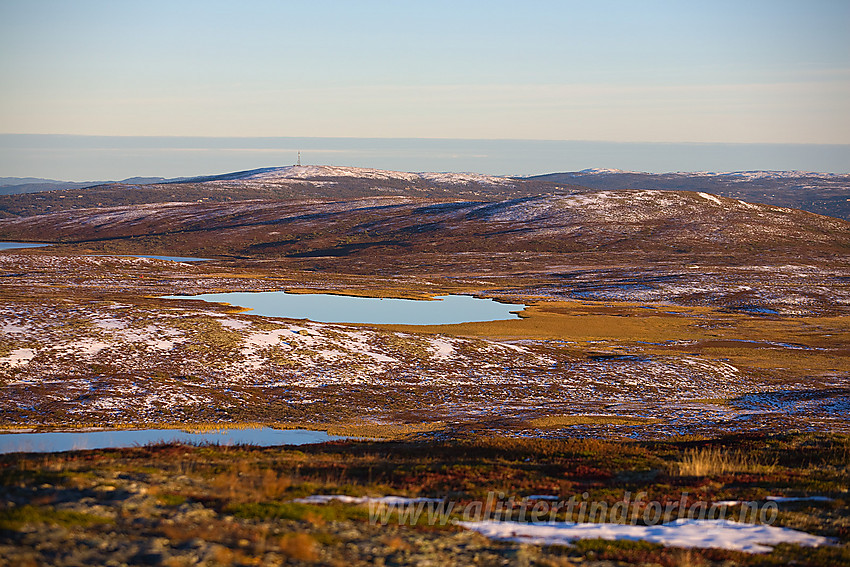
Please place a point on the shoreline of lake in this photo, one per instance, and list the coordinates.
(355, 309)
(78, 440)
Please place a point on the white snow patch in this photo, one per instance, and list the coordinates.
(766, 174)
(721, 534)
(9, 328)
(799, 499)
(359, 345)
(379, 357)
(85, 347)
(110, 324)
(509, 346)
(443, 349)
(603, 170)
(160, 344)
(268, 338)
(234, 324)
(331, 355)
(710, 197)
(18, 357)
(389, 500)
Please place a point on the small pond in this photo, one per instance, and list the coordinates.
(327, 308)
(16, 245)
(76, 440)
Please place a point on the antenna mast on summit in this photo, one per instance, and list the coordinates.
(299, 159)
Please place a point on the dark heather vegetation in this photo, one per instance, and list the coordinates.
(182, 505)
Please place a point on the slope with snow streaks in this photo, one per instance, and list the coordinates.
(311, 172)
(628, 220)
(821, 193)
(308, 182)
(461, 178)
(146, 364)
(323, 171)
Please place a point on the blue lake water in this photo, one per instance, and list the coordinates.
(327, 308)
(15, 245)
(76, 440)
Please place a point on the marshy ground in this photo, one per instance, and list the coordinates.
(88, 341)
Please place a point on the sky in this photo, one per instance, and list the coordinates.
(113, 158)
(728, 72)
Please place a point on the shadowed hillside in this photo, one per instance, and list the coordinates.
(821, 193)
(284, 183)
(656, 223)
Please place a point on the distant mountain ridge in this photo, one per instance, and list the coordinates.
(308, 172)
(690, 246)
(286, 183)
(822, 193)
(17, 185)
(744, 174)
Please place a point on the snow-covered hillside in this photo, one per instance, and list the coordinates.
(822, 193)
(308, 172)
(748, 175)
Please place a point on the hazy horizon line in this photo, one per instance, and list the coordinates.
(87, 156)
(293, 137)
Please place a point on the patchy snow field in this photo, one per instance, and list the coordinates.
(388, 500)
(84, 340)
(722, 534)
(118, 362)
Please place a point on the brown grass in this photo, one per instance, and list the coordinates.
(248, 483)
(384, 431)
(627, 323)
(395, 543)
(555, 421)
(567, 319)
(687, 558)
(710, 461)
(300, 546)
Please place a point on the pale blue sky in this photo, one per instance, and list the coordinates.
(653, 71)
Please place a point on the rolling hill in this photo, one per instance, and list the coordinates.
(284, 183)
(821, 193)
(567, 242)
(628, 221)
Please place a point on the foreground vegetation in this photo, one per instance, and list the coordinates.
(184, 505)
